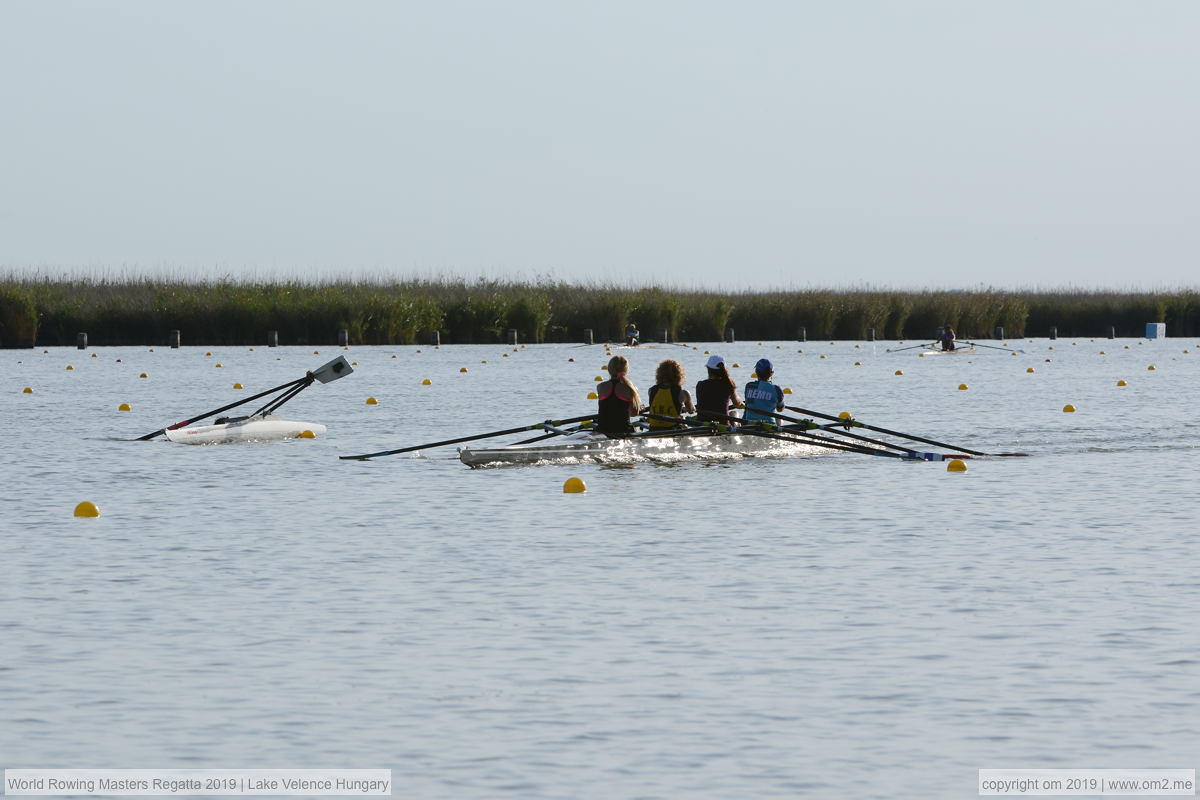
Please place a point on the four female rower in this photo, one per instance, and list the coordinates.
(618, 400)
(668, 398)
(762, 395)
(716, 395)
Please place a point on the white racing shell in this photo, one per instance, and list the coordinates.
(249, 429)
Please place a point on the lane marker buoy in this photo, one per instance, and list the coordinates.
(574, 486)
(87, 509)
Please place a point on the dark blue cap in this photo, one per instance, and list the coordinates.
(763, 367)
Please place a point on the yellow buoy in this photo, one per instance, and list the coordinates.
(899, 372)
(962, 387)
(705, 352)
(845, 415)
(417, 351)
(124, 407)
(27, 390)
(208, 354)
(306, 435)
(1029, 369)
(920, 355)
(505, 355)
(238, 386)
(1151, 367)
(371, 401)
(1069, 409)
(485, 361)
(354, 363)
(462, 369)
(217, 365)
(93, 355)
(1126, 347)
(736, 365)
(87, 509)
(143, 375)
(574, 486)
(787, 390)
(427, 382)
(593, 396)
(799, 351)
(69, 366)
(1012, 354)
(316, 353)
(1122, 383)
(598, 379)
(956, 465)
(1103, 353)
(858, 363)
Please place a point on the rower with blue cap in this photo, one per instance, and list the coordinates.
(762, 395)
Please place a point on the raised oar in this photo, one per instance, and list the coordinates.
(522, 429)
(910, 347)
(290, 384)
(855, 423)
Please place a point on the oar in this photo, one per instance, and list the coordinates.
(791, 436)
(206, 415)
(855, 423)
(910, 347)
(522, 429)
(994, 347)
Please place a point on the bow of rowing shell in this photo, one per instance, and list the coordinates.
(594, 447)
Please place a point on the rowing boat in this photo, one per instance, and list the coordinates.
(958, 351)
(260, 428)
(588, 446)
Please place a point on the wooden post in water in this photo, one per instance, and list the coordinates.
(729, 335)
(870, 334)
(436, 339)
(587, 336)
(999, 332)
(81, 341)
(272, 338)
(1053, 332)
(664, 335)
(343, 338)
(1112, 331)
(173, 340)
(802, 334)
(512, 336)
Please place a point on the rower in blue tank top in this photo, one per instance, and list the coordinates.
(762, 395)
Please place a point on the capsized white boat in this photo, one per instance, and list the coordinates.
(258, 428)
(588, 446)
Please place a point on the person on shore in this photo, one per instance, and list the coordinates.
(668, 398)
(716, 395)
(762, 395)
(631, 334)
(947, 337)
(618, 400)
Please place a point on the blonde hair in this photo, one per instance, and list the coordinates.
(618, 366)
(669, 373)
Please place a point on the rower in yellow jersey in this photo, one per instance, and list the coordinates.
(668, 398)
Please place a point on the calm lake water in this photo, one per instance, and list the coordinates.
(830, 626)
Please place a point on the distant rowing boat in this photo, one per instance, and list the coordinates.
(588, 446)
(958, 351)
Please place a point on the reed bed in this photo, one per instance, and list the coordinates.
(50, 312)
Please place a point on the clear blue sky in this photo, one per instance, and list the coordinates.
(1014, 143)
